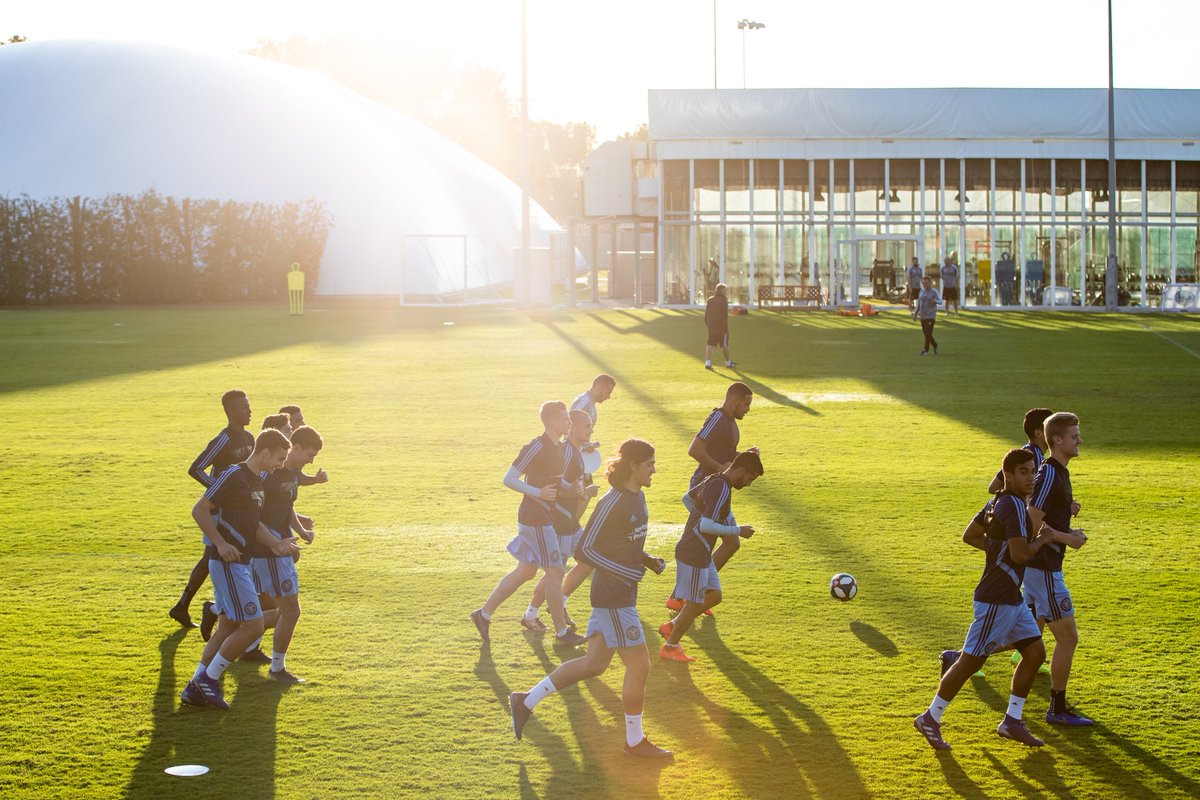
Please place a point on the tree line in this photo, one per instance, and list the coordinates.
(151, 248)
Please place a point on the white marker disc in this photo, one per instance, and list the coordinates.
(186, 770)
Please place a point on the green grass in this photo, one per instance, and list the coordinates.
(876, 459)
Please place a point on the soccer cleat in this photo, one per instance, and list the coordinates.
(935, 351)
(931, 730)
(923, 353)
(536, 625)
(211, 691)
(570, 622)
(946, 660)
(208, 619)
(255, 656)
(1015, 729)
(731, 363)
(644, 749)
(708, 366)
(666, 629)
(191, 695)
(180, 614)
(520, 712)
(481, 624)
(1067, 718)
(668, 653)
(285, 677)
(569, 639)
(674, 603)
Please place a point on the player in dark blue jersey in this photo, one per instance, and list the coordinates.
(1004, 531)
(601, 389)
(296, 419)
(230, 517)
(1054, 504)
(232, 445)
(714, 448)
(1035, 443)
(275, 576)
(711, 518)
(570, 507)
(536, 544)
(613, 543)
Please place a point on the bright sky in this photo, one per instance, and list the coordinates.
(593, 62)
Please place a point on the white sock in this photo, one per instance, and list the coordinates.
(217, 668)
(633, 729)
(1016, 706)
(937, 708)
(199, 671)
(708, 363)
(254, 645)
(540, 692)
(566, 629)
(277, 660)
(729, 363)
(483, 613)
(531, 612)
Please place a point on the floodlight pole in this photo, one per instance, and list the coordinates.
(745, 25)
(714, 44)
(1110, 274)
(521, 278)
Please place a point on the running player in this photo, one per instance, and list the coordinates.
(1054, 504)
(1035, 443)
(1003, 531)
(275, 575)
(602, 389)
(297, 419)
(711, 517)
(536, 544)
(613, 544)
(232, 445)
(714, 449)
(570, 506)
(229, 515)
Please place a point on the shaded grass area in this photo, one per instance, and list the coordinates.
(876, 459)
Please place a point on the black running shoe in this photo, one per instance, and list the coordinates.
(255, 656)
(285, 677)
(208, 619)
(180, 614)
(481, 624)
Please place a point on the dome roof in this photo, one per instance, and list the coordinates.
(97, 117)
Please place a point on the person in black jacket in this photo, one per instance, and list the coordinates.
(716, 318)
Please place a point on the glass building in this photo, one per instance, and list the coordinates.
(804, 193)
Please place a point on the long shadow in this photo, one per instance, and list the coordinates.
(956, 777)
(1021, 787)
(874, 638)
(1083, 745)
(237, 745)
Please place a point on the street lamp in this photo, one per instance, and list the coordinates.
(743, 26)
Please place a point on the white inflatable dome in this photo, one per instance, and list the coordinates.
(97, 117)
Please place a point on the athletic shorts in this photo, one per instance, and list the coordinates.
(276, 576)
(537, 544)
(620, 627)
(233, 589)
(996, 626)
(566, 545)
(914, 293)
(692, 582)
(1048, 594)
(718, 339)
(949, 292)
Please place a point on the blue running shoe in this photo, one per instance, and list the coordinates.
(1015, 729)
(211, 690)
(1067, 718)
(191, 695)
(931, 730)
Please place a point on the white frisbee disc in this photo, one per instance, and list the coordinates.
(591, 461)
(186, 770)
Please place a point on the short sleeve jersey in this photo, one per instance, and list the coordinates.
(238, 495)
(541, 462)
(1052, 496)
(716, 314)
(1006, 518)
(949, 276)
(1038, 458)
(279, 498)
(720, 435)
(712, 498)
(227, 448)
(585, 403)
(914, 276)
(613, 543)
(569, 506)
(927, 303)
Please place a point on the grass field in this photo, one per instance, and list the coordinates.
(876, 459)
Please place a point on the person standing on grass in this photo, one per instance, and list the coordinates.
(711, 517)
(232, 445)
(229, 515)
(912, 278)
(950, 283)
(716, 319)
(928, 301)
(601, 389)
(1054, 505)
(1003, 530)
(613, 545)
(536, 544)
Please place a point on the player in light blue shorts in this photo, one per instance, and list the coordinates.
(998, 626)
(620, 627)
(1046, 593)
(276, 575)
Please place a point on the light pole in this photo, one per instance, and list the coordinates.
(714, 44)
(521, 278)
(743, 26)
(1110, 273)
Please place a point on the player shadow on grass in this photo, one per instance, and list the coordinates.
(1085, 745)
(874, 638)
(219, 740)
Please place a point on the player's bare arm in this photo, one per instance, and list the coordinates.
(321, 476)
(202, 512)
(975, 534)
(699, 452)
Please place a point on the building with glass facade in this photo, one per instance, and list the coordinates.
(830, 194)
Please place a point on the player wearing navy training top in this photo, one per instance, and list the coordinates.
(1036, 443)
(714, 448)
(613, 544)
(601, 389)
(536, 544)
(232, 445)
(229, 514)
(275, 576)
(711, 518)
(570, 505)
(1004, 532)
(297, 421)
(1054, 504)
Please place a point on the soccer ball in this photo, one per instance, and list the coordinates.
(843, 587)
